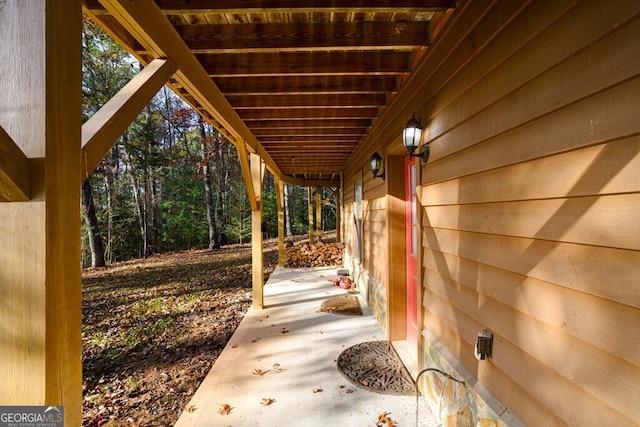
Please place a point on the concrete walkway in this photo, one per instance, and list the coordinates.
(296, 348)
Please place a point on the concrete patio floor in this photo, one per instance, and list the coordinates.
(296, 347)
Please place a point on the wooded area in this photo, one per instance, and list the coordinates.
(172, 181)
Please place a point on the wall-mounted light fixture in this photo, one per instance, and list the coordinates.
(411, 137)
(375, 163)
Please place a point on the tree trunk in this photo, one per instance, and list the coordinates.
(138, 205)
(108, 252)
(287, 215)
(156, 218)
(206, 176)
(95, 241)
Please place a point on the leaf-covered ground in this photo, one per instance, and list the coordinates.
(153, 328)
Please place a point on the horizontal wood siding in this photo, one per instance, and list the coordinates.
(530, 205)
(374, 239)
(347, 213)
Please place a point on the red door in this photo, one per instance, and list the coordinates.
(411, 249)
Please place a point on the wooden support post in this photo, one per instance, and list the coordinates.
(319, 213)
(311, 240)
(338, 216)
(40, 283)
(280, 207)
(257, 252)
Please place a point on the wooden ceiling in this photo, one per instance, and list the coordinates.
(308, 78)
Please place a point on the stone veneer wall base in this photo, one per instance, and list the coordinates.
(443, 396)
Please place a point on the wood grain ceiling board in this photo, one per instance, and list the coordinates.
(309, 78)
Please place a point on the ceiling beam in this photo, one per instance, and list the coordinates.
(294, 84)
(309, 100)
(292, 123)
(290, 6)
(305, 114)
(305, 63)
(313, 139)
(14, 171)
(333, 133)
(104, 128)
(150, 27)
(304, 36)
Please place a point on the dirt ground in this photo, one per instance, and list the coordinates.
(153, 328)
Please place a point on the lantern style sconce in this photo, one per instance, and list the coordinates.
(375, 163)
(411, 137)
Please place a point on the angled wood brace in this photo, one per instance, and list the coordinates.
(14, 171)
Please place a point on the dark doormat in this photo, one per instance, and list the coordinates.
(342, 304)
(375, 366)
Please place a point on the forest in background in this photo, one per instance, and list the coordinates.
(171, 182)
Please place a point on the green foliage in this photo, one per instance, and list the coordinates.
(298, 207)
(269, 207)
(106, 68)
(183, 210)
(238, 227)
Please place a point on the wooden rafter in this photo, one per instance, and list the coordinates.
(14, 171)
(309, 140)
(280, 37)
(327, 132)
(292, 124)
(103, 129)
(303, 113)
(287, 101)
(302, 63)
(342, 84)
(288, 6)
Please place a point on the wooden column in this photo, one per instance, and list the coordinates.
(280, 207)
(257, 252)
(396, 268)
(319, 213)
(311, 229)
(40, 283)
(338, 216)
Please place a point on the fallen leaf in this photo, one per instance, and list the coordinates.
(267, 401)
(234, 345)
(225, 409)
(191, 408)
(259, 372)
(317, 390)
(383, 419)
